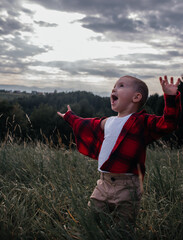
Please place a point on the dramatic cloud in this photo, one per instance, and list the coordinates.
(46, 43)
(14, 53)
(158, 15)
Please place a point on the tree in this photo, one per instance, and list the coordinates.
(43, 121)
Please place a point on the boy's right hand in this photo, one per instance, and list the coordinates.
(63, 114)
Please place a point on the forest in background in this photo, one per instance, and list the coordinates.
(32, 117)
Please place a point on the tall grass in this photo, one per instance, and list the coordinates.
(44, 194)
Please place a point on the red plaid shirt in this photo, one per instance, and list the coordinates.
(130, 148)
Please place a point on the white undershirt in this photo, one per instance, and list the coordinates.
(112, 129)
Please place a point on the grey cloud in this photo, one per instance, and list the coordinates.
(164, 44)
(104, 7)
(10, 25)
(9, 5)
(148, 57)
(13, 8)
(100, 68)
(13, 62)
(142, 65)
(175, 54)
(46, 24)
(14, 52)
(111, 16)
(94, 68)
(115, 24)
(27, 11)
(82, 6)
(21, 48)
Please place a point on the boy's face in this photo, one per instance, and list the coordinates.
(122, 95)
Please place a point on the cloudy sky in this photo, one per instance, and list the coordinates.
(88, 44)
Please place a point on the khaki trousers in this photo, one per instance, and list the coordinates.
(117, 192)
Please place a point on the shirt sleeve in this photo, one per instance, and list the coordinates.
(157, 126)
(88, 134)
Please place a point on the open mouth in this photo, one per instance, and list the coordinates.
(113, 98)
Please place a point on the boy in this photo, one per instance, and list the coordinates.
(119, 143)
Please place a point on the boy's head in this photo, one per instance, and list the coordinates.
(129, 94)
(140, 87)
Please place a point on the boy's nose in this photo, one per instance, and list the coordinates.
(113, 90)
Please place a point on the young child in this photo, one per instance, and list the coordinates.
(119, 143)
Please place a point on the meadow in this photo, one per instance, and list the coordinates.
(44, 193)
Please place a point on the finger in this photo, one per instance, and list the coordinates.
(165, 79)
(161, 80)
(60, 114)
(171, 80)
(178, 82)
(68, 108)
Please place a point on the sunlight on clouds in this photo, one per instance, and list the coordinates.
(65, 54)
(46, 70)
(134, 16)
(71, 42)
(68, 40)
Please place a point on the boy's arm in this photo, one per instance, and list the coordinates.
(160, 125)
(63, 115)
(88, 132)
(102, 124)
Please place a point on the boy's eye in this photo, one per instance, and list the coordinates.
(121, 85)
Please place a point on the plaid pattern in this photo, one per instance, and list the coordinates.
(130, 148)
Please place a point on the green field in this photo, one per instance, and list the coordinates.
(44, 194)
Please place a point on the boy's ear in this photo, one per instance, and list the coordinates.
(137, 97)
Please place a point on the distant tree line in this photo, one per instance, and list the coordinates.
(34, 118)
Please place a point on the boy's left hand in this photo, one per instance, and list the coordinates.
(169, 88)
(63, 114)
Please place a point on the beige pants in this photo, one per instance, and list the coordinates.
(117, 192)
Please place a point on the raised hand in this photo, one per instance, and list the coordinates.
(63, 114)
(169, 87)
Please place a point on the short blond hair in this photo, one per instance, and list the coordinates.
(142, 88)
